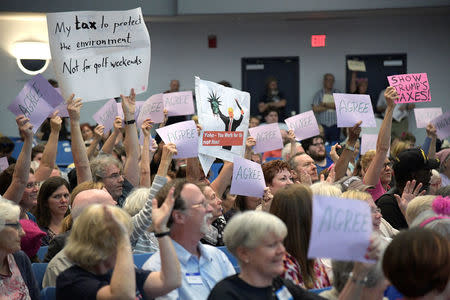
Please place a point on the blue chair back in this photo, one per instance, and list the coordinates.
(41, 252)
(231, 257)
(140, 259)
(272, 158)
(318, 291)
(39, 271)
(215, 168)
(49, 293)
(64, 154)
(392, 293)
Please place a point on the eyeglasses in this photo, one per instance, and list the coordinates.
(31, 185)
(375, 210)
(17, 225)
(389, 165)
(114, 176)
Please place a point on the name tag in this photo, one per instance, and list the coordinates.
(194, 278)
(283, 294)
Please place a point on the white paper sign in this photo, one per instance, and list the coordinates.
(356, 65)
(341, 229)
(368, 142)
(425, 115)
(99, 54)
(352, 108)
(304, 125)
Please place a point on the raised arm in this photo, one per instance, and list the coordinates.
(223, 180)
(119, 288)
(98, 133)
(145, 175)
(342, 163)
(51, 148)
(431, 133)
(251, 141)
(22, 168)
(384, 139)
(108, 146)
(353, 83)
(131, 139)
(169, 278)
(79, 152)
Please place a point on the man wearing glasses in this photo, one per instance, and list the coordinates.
(315, 147)
(202, 266)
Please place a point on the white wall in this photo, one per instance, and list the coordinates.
(179, 50)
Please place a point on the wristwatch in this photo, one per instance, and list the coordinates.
(130, 122)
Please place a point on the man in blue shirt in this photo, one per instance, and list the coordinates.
(202, 266)
(315, 148)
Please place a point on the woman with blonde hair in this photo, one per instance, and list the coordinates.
(102, 264)
(293, 205)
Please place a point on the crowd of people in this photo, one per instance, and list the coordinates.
(119, 198)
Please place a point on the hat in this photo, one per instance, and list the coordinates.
(354, 183)
(31, 241)
(412, 160)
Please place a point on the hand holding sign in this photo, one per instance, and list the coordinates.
(268, 137)
(248, 178)
(341, 229)
(425, 115)
(129, 105)
(411, 87)
(25, 127)
(304, 125)
(74, 108)
(183, 135)
(351, 108)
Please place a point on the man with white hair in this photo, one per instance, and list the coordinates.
(202, 266)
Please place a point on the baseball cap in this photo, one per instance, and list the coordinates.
(412, 160)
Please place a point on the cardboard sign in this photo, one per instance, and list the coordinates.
(368, 142)
(425, 115)
(356, 65)
(179, 104)
(99, 54)
(106, 115)
(267, 136)
(411, 88)
(352, 108)
(248, 178)
(224, 113)
(442, 124)
(152, 108)
(304, 125)
(183, 135)
(341, 229)
(3, 163)
(36, 101)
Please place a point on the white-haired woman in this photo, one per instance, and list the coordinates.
(16, 277)
(99, 245)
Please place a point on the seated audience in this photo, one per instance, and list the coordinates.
(16, 277)
(102, 264)
(417, 263)
(202, 266)
(304, 168)
(276, 175)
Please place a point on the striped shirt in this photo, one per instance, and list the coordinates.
(327, 117)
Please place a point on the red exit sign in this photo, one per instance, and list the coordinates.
(318, 40)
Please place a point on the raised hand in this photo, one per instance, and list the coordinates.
(391, 95)
(333, 154)
(431, 131)
(74, 107)
(55, 121)
(25, 127)
(409, 192)
(354, 132)
(129, 105)
(166, 117)
(267, 199)
(331, 175)
(291, 136)
(98, 132)
(117, 123)
(251, 141)
(146, 127)
(199, 129)
(305, 178)
(168, 151)
(154, 147)
(161, 215)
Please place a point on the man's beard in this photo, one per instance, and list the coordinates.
(205, 224)
(317, 157)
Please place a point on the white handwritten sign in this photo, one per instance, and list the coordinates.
(179, 104)
(248, 178)
(352, 108)
(425, 115)
(341, 229)
(304, 125)
(184, 135)
(268, 137)
(152, 108)
(99, 54)
(442, 124)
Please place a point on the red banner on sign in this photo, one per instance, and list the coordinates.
(223, 138)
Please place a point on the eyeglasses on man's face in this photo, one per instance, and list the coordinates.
(17, 225)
